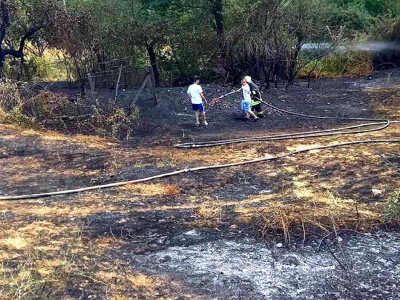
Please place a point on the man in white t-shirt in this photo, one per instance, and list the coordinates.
(246, 102)
(196, 96)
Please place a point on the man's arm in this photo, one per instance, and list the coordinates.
(204, 98)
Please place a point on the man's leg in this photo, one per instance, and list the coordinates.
(260, 111)
(247, 109)
(257, 109)
(244, 108)
(203, 116)
(196, 114)
(253, 115)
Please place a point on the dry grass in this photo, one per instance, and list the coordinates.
(44, 261)
(386, 100)
(152, 189)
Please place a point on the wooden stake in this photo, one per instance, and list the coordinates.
(91, 83)
(145, 81)
(116, 89)
(153, 84)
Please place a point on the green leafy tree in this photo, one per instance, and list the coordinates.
(19, 22)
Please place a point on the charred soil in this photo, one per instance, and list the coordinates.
(234, 233)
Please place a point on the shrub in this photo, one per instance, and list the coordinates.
(48, 68)
(340, 64)
(11, 106)
(46, 106)
(49, 110)
(391, 212)
(114, 121)
(9, 96)
(33, 111)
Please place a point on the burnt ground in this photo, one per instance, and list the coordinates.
(249, 232)
(341, 97)
(245, 269)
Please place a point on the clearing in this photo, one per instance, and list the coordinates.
(249, 232)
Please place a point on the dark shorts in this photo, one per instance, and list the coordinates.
(198, 107)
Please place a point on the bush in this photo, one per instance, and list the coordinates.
(387, 30)
(11, 106)
(46, 106)
(391, 212)
(114, 121)
(340, 64)
(49, 110)
(33, 111)
(47, 68)
(9, 95)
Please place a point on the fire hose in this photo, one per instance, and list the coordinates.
(384, 123)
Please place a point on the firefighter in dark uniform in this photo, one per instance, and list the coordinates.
(256, 100)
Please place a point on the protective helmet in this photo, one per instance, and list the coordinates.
(248, 78)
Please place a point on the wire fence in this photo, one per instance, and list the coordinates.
(115, 80)
(121, 76)
(127, 86)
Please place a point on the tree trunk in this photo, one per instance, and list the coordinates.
(217, 12)
(267, 75)
(275, 73)
(101, 59)
(292, 72)
(153, 63)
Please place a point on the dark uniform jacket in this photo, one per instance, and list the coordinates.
(255, 92)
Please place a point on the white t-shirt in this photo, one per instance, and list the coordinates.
(194, 91)
(246, 93)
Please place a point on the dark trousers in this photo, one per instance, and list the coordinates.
(257, 108)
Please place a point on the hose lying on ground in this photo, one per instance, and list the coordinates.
(211, 167)
(300, 135)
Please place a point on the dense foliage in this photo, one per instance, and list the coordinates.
(215, 38)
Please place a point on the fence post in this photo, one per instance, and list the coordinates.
(116, 89)
(145, 82)
(91, 83)
(153, 84)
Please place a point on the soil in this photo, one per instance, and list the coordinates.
(204, 235)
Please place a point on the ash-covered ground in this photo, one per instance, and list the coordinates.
(357, 266)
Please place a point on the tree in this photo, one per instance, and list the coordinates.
(4, 27)
(360, 15)
(74, 32)
(170, 35)
(126, 26)
(271, 35)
